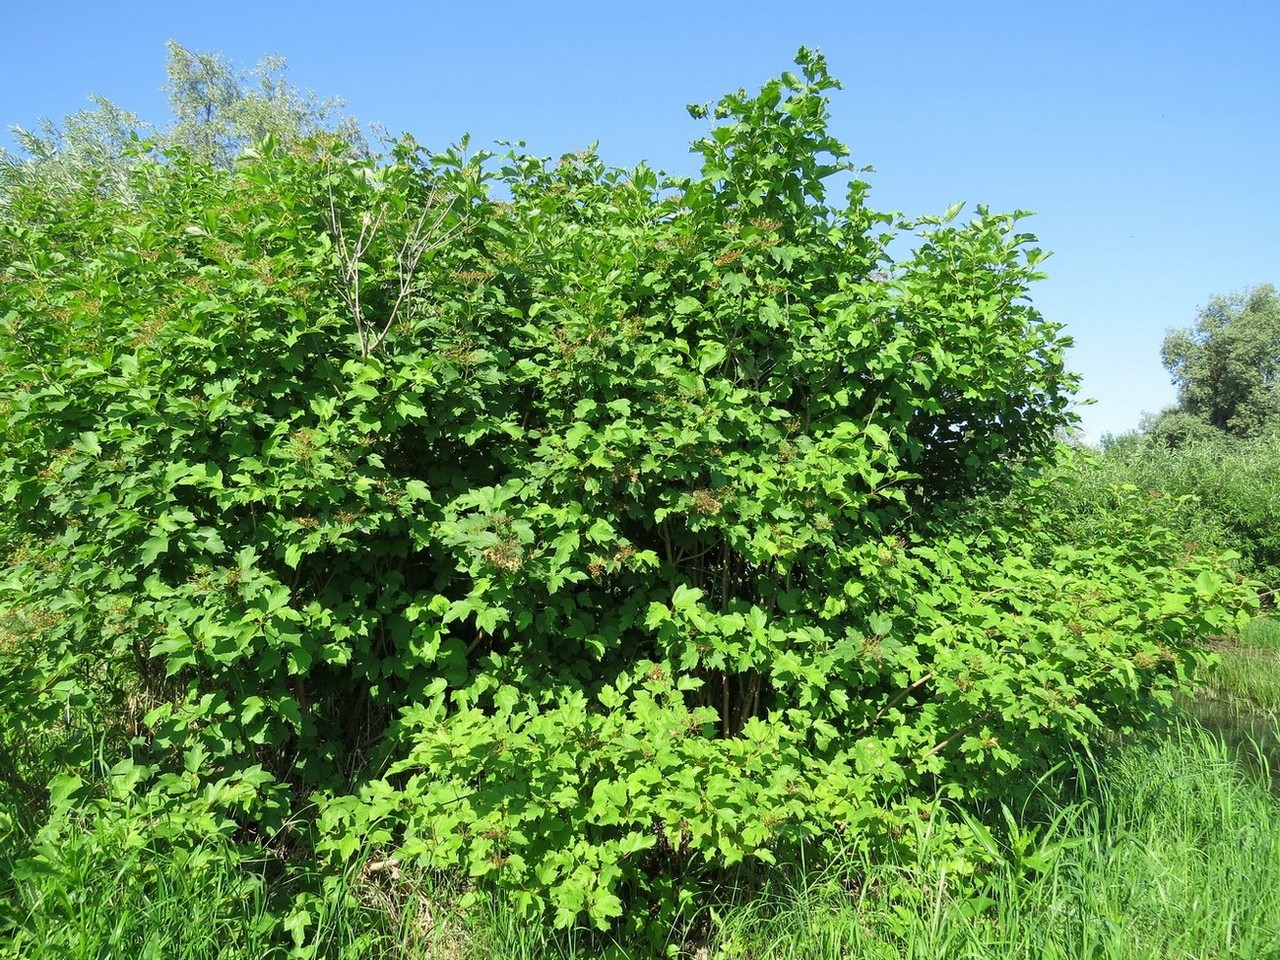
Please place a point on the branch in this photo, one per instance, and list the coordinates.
(422, 237)
(898, 697)
(942, 745)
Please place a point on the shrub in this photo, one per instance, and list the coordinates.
(1218, 494)
(586, 540)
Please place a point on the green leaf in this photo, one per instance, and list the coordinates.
(712, 356)
(152, 548)
(64, 788)
(418, 491)
(506, 698)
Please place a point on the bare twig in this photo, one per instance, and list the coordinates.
(942, 745)
(425, 234)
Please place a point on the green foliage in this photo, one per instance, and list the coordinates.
(587, 541)
(1246, 681)
(1172, 851)
(1217, 494)
(1175, 427)
(1263, 633)
(1178, 855)
(90, 887)
(111, 891)
(218, 110)
(90, 147)
(1227, 367)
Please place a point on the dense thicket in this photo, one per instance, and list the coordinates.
(573, 527)
(1217, 492)
(1207, 464)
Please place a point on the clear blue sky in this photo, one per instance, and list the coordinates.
(1145, 135)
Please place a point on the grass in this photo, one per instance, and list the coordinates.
(96, 900)
(1249, 670)
(1177, 856)
(1263, 633)
(1176, 853)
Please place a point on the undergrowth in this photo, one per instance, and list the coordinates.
(1169, 851)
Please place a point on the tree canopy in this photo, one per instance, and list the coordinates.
(217, 110)
(1226, 368)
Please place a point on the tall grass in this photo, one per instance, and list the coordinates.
(1178, 855)
(96, 899)
(1249, 674)
(1248, 671)
(1262, 634)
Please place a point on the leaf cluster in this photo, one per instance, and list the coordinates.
(1218, 493)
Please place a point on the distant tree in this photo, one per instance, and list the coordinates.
(1175, 427)
(217, 110)
(89, 146)
(1226, 368)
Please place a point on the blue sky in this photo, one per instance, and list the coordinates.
(1145, 135)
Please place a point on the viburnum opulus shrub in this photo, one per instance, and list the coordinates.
(584, 540)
